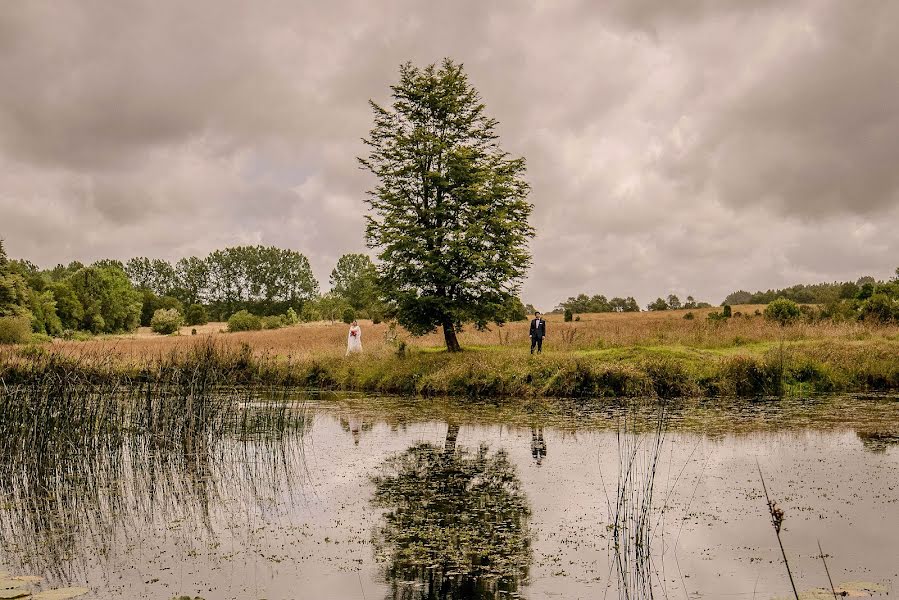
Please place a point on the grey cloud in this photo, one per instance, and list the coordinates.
(692, 146)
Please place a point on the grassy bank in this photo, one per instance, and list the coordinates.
(670, 370)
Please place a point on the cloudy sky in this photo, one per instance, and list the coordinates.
(693, 146)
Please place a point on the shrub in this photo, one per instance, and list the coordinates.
(569, 316)
(782, 311)
(879, 309)
(196, 315)
(291, 317)
(273, 322)
(349, 315)
(15, 330)
(166, 321)
(243, 320)
(689, 316)
(726, 311)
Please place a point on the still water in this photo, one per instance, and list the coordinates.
(390, 498)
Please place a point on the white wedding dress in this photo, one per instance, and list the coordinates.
(354, 340)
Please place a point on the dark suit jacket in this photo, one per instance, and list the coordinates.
(538, 330)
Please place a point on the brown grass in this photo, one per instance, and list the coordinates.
(594, 332)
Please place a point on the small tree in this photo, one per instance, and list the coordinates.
(782, 311)
(674, 302)
(348, 315)
(658, 304)
(449, 214)
(726, 311)
(196, 315)
(569, 315)
(166, 321)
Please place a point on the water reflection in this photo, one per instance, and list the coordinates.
(878, 440)
(538, 445)
(456, 523)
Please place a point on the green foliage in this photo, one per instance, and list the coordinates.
(151, 303)
(689, 316)
(355, 280)
(196, 315)
(348, 315)
(15, 329)
(155, 275)
(819, 293)
(568, 315)
(68, 307)
(109, 302)
(726, 311)
(624, 304)
(879, 308)
(291, 317)
(674, 302)
(166, 321)
(243, 320)
(330, 307)
(582, 303)
(272, 322)
(449, 214)
(783, 311)
(265, 279)
(44, 318)
(657, 304)
(514, 310)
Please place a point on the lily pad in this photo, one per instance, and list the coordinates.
(60, 593)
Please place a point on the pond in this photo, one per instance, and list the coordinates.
(356, 497)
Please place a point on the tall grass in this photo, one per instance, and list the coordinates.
(634, 512)
(82, 457)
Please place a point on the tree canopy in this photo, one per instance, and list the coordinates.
(448, 215)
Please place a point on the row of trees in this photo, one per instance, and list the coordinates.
(582, 303)
(817, 293)
(113, 296)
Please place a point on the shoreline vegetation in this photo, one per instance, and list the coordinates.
(650, 354)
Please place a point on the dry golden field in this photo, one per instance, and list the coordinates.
(592, 332)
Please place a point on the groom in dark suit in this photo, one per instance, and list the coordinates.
(538, 332)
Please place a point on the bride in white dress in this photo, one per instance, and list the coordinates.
(354, 339)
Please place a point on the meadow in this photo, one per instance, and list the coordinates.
(607, 354)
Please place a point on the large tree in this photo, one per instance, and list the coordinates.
(355, 280)
(449, 214)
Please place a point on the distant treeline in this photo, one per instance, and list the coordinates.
(816, 293)
(110, 296)
(582, 303)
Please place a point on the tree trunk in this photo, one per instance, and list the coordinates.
(449, 334)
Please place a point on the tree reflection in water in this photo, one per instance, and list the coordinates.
(455, 524)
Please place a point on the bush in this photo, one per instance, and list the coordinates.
(291, 317)
(349, 315)
(689, 316)
(569, 316)
(166, 321)
(879, 309)
(196, 315)
(726, 311)
(15, 330)
(273, 322)
(244, 321)
(782, 311)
